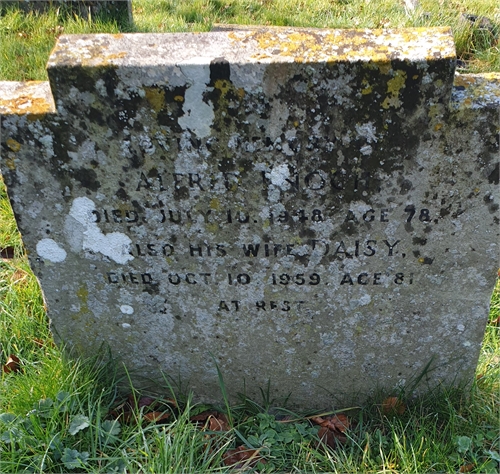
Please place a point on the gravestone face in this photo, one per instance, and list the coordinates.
(315, 208)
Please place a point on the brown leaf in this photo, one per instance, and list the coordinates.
(43, 343)
(467, 468)
(393, 406)
(156, 416)
(317, 419)
(331, 438)
(218, 422)
(242, 457)
(140, 402)
(7, 253)
(12, 365)
(152, 408)
(338, 422)
(204, 416)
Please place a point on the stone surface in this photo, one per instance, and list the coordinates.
(318, 208)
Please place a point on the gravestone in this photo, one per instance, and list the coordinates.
(84, 8)
(317, 208)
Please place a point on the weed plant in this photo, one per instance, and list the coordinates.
(27, 39)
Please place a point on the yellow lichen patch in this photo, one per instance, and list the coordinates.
(384, 67)
(178, 98)
(110, 57)
(10, 161)
(13, 144)
(438, 127)
(96, 56)
(367, 88)
(155, 97)
(394, 86)
(26, 105)
(464, 80)
(266, 40)
(260, 56)
(298, 44)
(215, 204)
(212, 227)
(83, 294)
(223, 85)
(434, 110)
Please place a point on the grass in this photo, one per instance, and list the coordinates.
(62, 414)
(27, 39)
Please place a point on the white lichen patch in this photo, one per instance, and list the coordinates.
(198, 115)
(50, 250)
(279, 176)
(126, 309)
(83, 233)
(367, 131)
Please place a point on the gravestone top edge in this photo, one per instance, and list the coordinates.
(26, 98)
(476, 90)
(255, 46)
(470, 91)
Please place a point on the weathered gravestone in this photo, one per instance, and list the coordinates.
(318, 208)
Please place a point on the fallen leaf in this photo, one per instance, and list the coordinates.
(151, 408)
(7, 253)
(12, 365)
(140, 402)
(156, 416)
(338, 422)
(393, 405)
(42, 343)
(332, 429)
(242, 457)
(331, 438)
(219, 422)
(467, 468)
(216, 421)
(204, 416)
